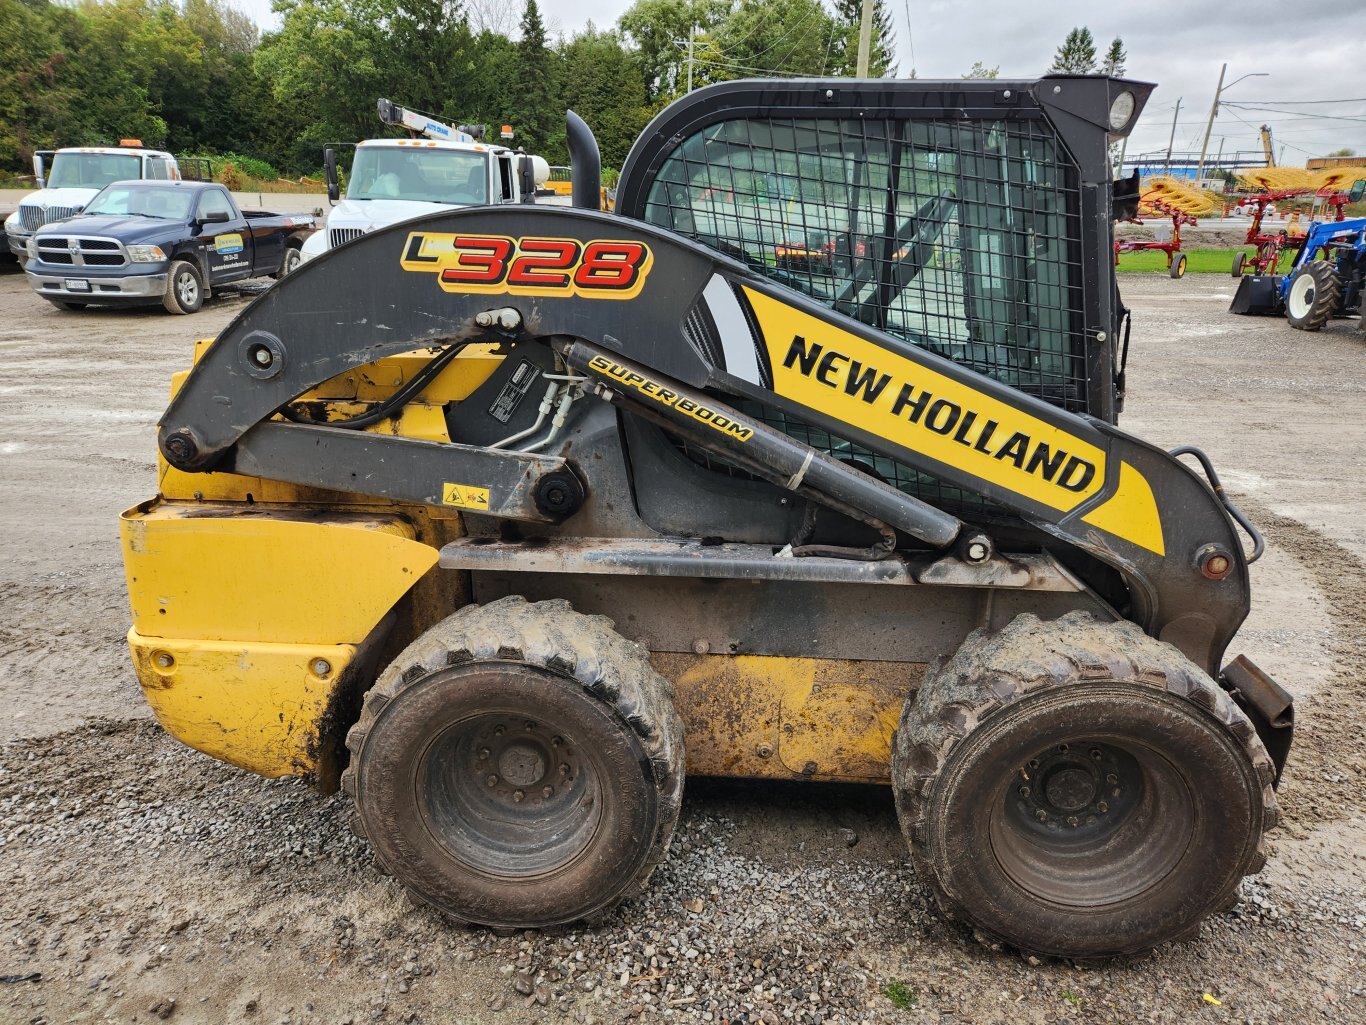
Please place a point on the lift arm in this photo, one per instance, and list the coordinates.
(677, 332)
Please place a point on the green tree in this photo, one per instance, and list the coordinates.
(881, 51)
(1113, 64)
(535, 119)
(35, 90)
(659, 31)
(776, 37)
(602, 83)
(335, 58)
(980, 70)
(1077, 54)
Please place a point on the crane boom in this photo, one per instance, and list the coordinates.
(393, 114)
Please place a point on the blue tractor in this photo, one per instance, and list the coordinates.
(1325, 281)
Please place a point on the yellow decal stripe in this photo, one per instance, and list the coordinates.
(1131, 512)
(890, 396)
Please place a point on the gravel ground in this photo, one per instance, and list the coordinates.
(145, 882)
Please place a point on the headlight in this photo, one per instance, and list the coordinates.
(145, 254)
(1121, 110)
(12, 219)
(32, 247)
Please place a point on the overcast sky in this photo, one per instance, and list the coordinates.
(1313, 50)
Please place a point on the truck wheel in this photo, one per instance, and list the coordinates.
(1079, 789)
(1314, 297)
(1178, 267)
(289, 263)
(1238, 262)
(518, 765)
(184, 288)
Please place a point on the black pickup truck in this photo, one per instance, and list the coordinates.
(169, 242)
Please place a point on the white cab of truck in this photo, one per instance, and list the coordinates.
(69, 178)
(393, 180)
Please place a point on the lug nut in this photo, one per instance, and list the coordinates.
(1103, 807)
(484, 753)
(1025, 791)
(492, 781)
(1095, 754)
(498, 731)
(556, 741)
(517, 796)
(1041, 815)
(1072, 820)
(547, 791)
(530, 726)
(1111, 778)
(564, 769)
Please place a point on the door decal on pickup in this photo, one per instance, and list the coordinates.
(225, 245)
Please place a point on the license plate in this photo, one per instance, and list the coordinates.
(77, 285)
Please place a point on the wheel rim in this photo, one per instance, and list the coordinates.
(1301, 298)
(291, 261)
(1092, 822)
(509, 796)
(187, 288)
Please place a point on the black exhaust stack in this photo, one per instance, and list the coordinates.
(585, 163)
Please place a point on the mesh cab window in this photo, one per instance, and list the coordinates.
(959, 236)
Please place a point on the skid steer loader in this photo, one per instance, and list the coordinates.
(804, 463)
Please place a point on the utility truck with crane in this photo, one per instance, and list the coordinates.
(439, 167)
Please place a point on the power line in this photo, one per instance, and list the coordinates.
(1298, 103)
(1299, 114)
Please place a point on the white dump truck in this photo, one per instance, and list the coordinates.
(438, 166)
(69, 178)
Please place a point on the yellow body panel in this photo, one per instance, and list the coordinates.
(278, 576)
(765, 716)
(247, 619)
(257, 705)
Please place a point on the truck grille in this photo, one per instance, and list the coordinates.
(336, 236)
(34, 217)
(81, 252)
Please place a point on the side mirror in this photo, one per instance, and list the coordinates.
(330, 167)
(526, 172)
(38, 170)
(1125, 197)
(1358, 190)
(215, 217)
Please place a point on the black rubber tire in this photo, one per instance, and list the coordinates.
(1314, 296)
(62, 304)
(289, 263)
(1238, 262)
(1185, 831)
(184, 288)
(419, 766)
(1178, 267)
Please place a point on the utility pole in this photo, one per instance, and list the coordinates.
(1166, 168)
(1214, 110)
(865, 38)
(1209, 127)
(691, 36)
